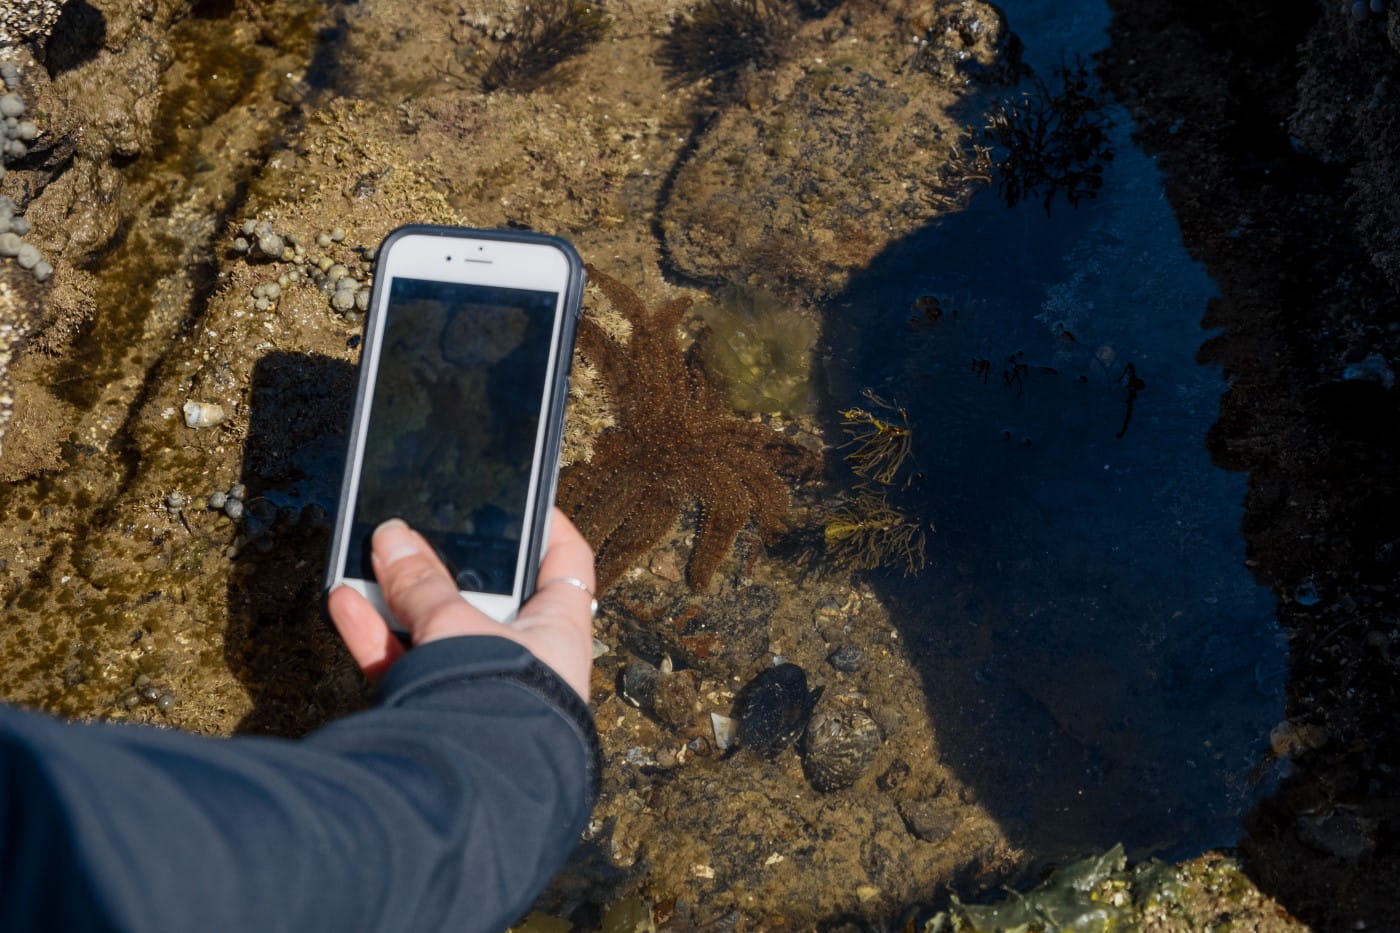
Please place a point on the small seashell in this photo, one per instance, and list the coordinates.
(217, 500)
(725, 730)
(233, 508)
(838, 747)
(203, 414)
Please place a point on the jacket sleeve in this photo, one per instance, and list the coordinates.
(449, 805)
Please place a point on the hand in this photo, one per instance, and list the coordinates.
(556, 624)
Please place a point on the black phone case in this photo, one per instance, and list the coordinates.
(573, 303)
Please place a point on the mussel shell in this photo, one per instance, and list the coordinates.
(838, 747)
(773, 709)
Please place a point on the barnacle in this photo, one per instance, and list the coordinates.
(675, 444)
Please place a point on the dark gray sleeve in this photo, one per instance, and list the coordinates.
(448, 806)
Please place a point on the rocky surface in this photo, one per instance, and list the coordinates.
(199, 217)
(1275, 132)
(132, 591)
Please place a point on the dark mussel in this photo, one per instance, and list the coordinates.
(773, 709)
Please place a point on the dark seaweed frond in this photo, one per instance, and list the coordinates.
(866, 532)
(545, 34)
(717, 39)
(880, 446)
(1052, 140)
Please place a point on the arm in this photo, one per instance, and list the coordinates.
(447, 806)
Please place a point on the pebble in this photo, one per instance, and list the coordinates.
(932, 819)
(203, 414)
(847, 658)
(11, 105)
(233, 508)
(1290, 739)
(217, 500)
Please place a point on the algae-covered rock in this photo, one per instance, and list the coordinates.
(852, 147)
(1101, 894)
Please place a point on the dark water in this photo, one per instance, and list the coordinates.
(1099, 663)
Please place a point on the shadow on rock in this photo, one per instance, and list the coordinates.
(77, 37)
(279, 642)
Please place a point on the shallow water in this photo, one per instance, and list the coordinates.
(1100, 664)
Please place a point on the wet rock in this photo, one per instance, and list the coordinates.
(838, 747)
(894, 776)
(789, 192)
(1290, 739)
(848, 658)
(670, 697)
(1338, 831)
(773, 709)
(727, 631)
(964, 41)
(932, 819)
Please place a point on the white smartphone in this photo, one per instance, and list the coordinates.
(459, 414)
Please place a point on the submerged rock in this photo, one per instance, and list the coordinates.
(851, 149)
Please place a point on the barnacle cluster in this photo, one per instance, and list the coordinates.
(27, 20)
(1052, 139)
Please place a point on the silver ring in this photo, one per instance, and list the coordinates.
(579, 584)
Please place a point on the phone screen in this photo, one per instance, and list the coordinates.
(451, 432)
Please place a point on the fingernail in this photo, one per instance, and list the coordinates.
(394, 541)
